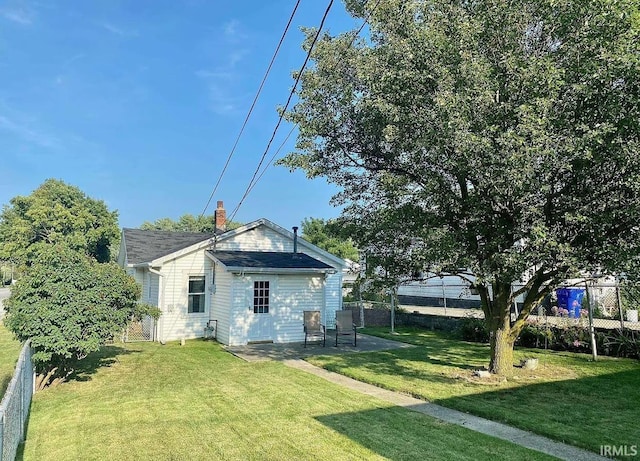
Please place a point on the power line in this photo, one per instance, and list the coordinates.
(283, 111)
(275, 154)
(253, 183)
(255, 99)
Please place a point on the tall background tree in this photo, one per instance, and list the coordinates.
(499, 137)
(327, 235)
(187, 223)
(56, 212)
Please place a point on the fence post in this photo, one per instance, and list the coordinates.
(1, 435)
(393, 311)
(619, 298)
(444, 297)
(594, 350)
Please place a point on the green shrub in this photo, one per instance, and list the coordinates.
(69, 305)
(473, 329)
(623, 344)
(536, 335)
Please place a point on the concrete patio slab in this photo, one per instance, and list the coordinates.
(291, 351)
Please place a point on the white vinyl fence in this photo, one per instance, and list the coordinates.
(14, 409)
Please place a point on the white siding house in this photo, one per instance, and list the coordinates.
(250, 281)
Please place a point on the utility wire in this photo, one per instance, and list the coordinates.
(264, 170)
(283, 111)
(273, 157)
(255, 99)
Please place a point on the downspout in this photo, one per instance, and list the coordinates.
(160, 301)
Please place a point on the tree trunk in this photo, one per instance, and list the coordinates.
(500, 332)
(501, 352)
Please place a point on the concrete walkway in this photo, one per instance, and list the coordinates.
(501, 431)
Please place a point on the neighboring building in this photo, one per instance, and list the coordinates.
(253, 282)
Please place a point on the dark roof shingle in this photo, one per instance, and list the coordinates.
(268, 260)
(144, 246)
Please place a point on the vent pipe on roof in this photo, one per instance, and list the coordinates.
(295, 239)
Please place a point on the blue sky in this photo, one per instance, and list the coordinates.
(138, 103)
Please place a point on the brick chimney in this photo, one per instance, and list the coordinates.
(221, 216)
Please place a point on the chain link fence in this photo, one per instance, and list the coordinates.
(14, 409)
(140, 330)
(563, 321)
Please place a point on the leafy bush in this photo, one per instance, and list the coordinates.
(536, 335)
(624, 343)
(574, 338)
(474, 329)
(68, 305)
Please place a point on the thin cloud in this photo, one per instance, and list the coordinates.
(232, 31)
(17, 15)
(73, 59)
(218, 74)
(115, 30)
(27, 134)
(221, 80)
(221, 100)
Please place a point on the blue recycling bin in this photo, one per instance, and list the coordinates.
(571, 300)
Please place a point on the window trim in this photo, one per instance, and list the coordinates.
(261, 296)
(203, 294)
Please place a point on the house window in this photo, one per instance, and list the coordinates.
(261, 297)
(196, 294)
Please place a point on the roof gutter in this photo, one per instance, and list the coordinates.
(277, 270)
(146, 266)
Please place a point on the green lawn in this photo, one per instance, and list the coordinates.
(9, 353)
(149, 401)
(568, 398)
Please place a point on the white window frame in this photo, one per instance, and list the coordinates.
(261, 292)
(202, 294)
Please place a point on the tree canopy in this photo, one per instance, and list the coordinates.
(326, 235)
(69, 305)
(187, 223)
(56, 212)
(494, 137)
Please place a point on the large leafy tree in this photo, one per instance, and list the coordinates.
(327, 235)
(56, 212)
(499, 137)
(69, 305)
(188, 223)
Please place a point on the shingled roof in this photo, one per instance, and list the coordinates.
(268, 260)
(144, 246)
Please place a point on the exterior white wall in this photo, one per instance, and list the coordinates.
(450, 286)
(238, 312)
(332, 298)
(221, 303)
(296, 293)
(290, 296)
(176, 322)
(260, 238)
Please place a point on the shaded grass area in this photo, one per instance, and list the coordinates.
(568, 398)
(199, 402)
(9, 353)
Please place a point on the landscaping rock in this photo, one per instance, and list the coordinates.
(482, 374)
